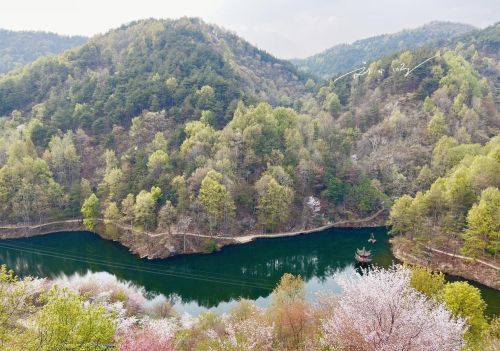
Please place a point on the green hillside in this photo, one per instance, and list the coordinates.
(345, 57)
(20, 48)
(180, 125)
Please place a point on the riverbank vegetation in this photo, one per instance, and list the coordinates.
(461, 210)
(181, 126)
(384, 309)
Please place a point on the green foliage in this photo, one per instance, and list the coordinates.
(209, 246)
(364, 195)
(66, 323)
(437, 126)
(335, 189)
(332, 104)
(464, 300)
(91, 211)
(464, 202)
(290, 288)
(462, 78)
(181, 192)
(427, 281)
(63, 159)
(20, 48)
(483, 225)
(112, 213)
(7, 276)
(12, 305)
(344, 58)
(216, 200)
(193, 75)
(448, 153)
(144, 208)
(128, 204)
(158, 162)
(401, 218)
(113, 182)
(273, 203)
(27, 188)
(163, 104)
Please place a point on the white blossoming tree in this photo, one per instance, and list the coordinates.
(313, 211)
(379, 311)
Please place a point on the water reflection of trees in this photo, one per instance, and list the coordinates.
(248, 271)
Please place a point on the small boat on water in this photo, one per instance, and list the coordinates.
(363, 255)
(372, 239)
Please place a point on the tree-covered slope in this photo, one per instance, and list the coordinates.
(425, 122)
(165, 126)
(454, 201)
(146, 105)
(183, 66)
(20, 48)
(344, 57)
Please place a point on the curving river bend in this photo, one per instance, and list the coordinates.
(215, 281)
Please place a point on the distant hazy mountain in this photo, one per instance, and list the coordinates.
(20, 48)
(344, 57)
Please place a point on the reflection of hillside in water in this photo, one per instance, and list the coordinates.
(249, 271)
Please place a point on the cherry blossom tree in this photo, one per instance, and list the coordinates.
(156, 335)
(314, 205)
(379, 311)
(251, 334)
(145, 340)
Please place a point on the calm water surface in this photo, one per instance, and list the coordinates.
(215, 281)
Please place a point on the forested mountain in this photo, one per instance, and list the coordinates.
(182, 66)
(174, 125)
(133, 109)
(20, 48)
(427, 125)
(345, 57)
(455, 200)
(165, 127)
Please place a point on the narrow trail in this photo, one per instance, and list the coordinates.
(238, 239)
(247, 238)
(464, 258)
(40, 225)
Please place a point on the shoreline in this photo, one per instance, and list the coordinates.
(165, 245)
(477, 270)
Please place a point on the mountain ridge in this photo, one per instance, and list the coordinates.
(18, 48)
(343, 57)
(142, 55)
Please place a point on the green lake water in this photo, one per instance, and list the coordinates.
(198, 282)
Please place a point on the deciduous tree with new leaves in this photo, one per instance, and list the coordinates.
(216, 200)
(91, 211)
(483, 225)
(464, 301)
(273, 202)
(167, 215)
(144, 209)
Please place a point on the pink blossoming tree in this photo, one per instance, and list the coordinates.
(379, 311)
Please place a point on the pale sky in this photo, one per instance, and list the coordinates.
(285, 28)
